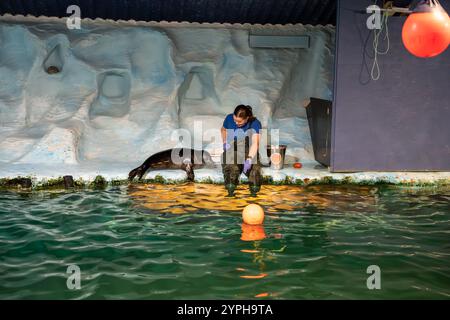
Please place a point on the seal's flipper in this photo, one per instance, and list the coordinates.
(133, 173)
(139, 171)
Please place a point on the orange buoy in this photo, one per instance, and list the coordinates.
(298, 165)
(427, 34)
(252, 233)
(253, 214)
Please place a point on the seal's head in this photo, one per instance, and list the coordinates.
(207, 160)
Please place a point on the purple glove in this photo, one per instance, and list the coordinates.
(247, 165)
(226, 146)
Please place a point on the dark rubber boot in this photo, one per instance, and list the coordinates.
(254, 190)
(230, 188)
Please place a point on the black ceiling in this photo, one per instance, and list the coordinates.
(223, 11)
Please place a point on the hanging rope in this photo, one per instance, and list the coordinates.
(375, 72)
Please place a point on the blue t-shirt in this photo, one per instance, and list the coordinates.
(241, 132)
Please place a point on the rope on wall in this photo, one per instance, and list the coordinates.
(375, 72)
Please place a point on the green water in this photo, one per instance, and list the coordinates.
(319, 250)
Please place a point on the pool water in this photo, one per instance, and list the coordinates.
(188, 242)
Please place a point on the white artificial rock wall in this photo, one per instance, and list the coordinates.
(125, 87)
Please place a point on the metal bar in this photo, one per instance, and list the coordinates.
(397, 9)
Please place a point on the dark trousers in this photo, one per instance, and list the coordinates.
(233, 164)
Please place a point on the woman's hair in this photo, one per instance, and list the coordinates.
(244, 112)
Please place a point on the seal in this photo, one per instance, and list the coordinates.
(178, 158)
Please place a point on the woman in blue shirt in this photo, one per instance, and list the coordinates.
(241, 135)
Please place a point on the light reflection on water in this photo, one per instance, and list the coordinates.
(178, 199)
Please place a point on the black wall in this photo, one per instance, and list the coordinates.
(400, 122)
(231, 11)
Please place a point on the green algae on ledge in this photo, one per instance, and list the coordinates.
(100, 182)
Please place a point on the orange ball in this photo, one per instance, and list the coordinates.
(298, 165)
(426, 34)
(275, 158)
(253, 214)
